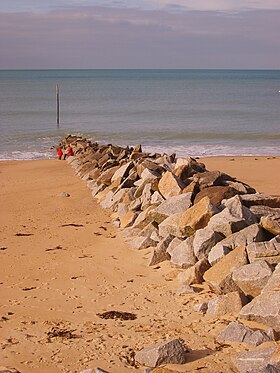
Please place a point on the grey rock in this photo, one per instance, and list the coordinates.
(269, 251)
(260, 210)
(219, 277)
(155, 236)
(173, 205)
(144, 218)
(252, 278)
(233, 218)
(171, 352)
(160, 253)
(141, 243)
(157, 198)
(265, 308)
(194, 274)
(230, 303)
(170, 226)
(237, 332)
(174, 243)
(260, 199)
(271, 223)
(130, 233)
(108, 201)
(146, 196)
(274, 281)
(97, 189)
(122, 210)
(210, 178)
(149, 230)
(204, 240)
(169, 185)
(253, 233)
(123, 171)
(118, 196)
(257, 361)
(240, 187)
(217, 253)
(182, 256)
(136, 204)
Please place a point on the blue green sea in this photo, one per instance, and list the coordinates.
(190, 112)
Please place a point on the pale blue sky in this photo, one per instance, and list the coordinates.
(139, 34)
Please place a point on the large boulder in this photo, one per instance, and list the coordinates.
(142, 242)
(237, 332)
(268, 250)
(182, 256)
(170, 185)
(253, 277)
(219, 277)
(271, 223)
(230, 303)
(265, 360)
(211, 178)
(204, 240)
(260, 210)
(245, 236)
(170, 226)
(192, 164)
(123, 171)
(194, 274)
(233, 218)
(170, 352)
(216, 194)
(252, 233)
(160, 253)
(217, 253)
(173, 205)
(128, 219)
(196, 217)
(260, 199)
(265, 308)
(106, 176)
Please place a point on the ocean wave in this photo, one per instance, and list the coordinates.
(25, 155)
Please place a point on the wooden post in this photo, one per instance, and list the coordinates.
(57, 105)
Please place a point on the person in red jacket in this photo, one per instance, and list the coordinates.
(69, 151)
(59, 153)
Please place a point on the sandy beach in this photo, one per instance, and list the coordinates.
(63, 263)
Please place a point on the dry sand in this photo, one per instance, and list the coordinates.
(262, 173)
(62, 263)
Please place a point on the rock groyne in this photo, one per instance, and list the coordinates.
(207, 224)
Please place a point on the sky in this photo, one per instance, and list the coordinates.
(81, 34)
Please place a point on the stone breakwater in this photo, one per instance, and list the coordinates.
(212, 227)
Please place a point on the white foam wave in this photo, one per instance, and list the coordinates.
(25, 155)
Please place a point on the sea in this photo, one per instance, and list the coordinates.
(189, 112)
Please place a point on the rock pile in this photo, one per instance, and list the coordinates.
(213, 227)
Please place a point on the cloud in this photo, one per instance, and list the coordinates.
(218, 5)
(167, 5)
(104, 37)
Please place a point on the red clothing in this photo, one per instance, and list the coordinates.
(69, 151)
(59, 153)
